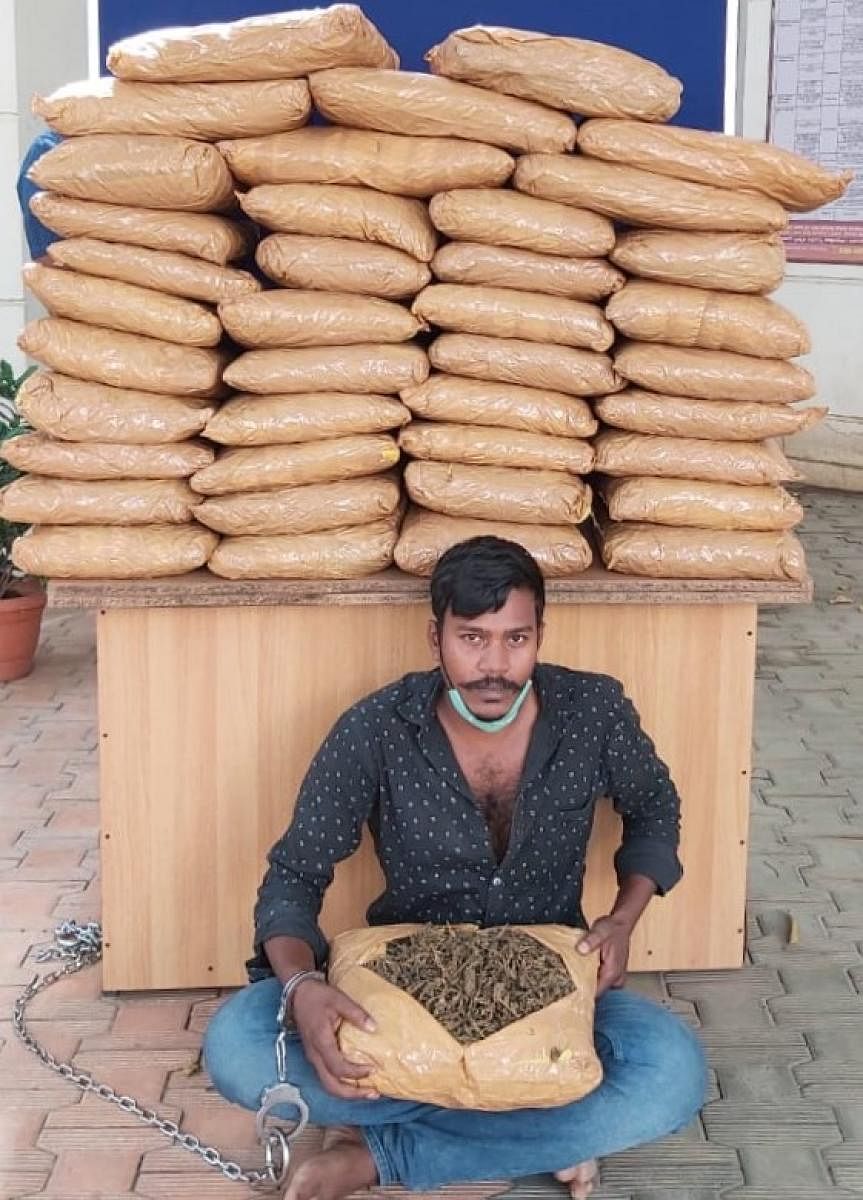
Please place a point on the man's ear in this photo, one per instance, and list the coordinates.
(433, 639)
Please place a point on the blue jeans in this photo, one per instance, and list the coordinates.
(654, 1084)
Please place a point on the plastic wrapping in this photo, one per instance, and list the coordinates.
(345, 553)
(41, 455)
(113, 551)
(123, 306)
(713, 374)
(482, 445)
(413, 1057)
(733, 262)
(499, 493)
(250, 470)
(680, 416)
(662, 553)
(330, 264)
(310, 509)
(160, 270)
(37, 500)
(277, 46)
(76, 411)
(717, 159)
(430, 106)
(504, 313)
(619, 453)
(643, 198)
(124, 360)
(208, 111)
(327, 210)
(560, 550)
(505, 218)
(510, 360)
(269, 420)
(703, 505)
(508, 267)
(485, 402)
(366, 368)
(203, 235)
(579, 76)
(388, 162)
(287, 318)
(147, 170)
(690, 316)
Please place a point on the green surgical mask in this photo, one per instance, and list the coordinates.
(489, 726)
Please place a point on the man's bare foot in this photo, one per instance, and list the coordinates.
(582, 1179)
(345, 1165)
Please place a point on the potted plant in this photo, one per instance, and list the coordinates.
(22, 598)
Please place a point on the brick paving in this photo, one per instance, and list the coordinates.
(784, 1034)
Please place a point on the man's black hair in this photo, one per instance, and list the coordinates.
(477, 576)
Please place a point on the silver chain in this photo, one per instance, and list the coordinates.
(80, 946)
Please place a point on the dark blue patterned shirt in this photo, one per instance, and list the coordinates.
(387, 762)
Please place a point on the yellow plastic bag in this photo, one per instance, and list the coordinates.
(287, 318)
(42, 455)
(541, 1061)
(731, 262)
(267, 420)
(482, 445)
(499, 493)
(250, 470)
(700, 504)
(620, 453)
(663, 553)
(38, 500)
(508, 267)
(713, 374)
(365, 368)
(330, 264)
(512, 360)
(505, 218)
(310, 509)
(347, 553)
(680, 416)
(113, 551)
(506, 313)
(485, 402)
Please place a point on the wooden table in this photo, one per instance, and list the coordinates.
(214, 696)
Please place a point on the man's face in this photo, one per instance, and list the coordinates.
(489, 658)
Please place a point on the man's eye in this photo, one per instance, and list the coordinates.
(473, 638)
(518, 639)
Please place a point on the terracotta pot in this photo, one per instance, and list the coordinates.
(20, 618)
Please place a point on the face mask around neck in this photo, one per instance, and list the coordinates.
(497, 725)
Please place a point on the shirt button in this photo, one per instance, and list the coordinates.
(496, 881)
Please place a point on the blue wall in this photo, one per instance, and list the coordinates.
(686, 36)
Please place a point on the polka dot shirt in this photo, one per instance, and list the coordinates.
(387, 763)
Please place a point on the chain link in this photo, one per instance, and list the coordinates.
(80, 946)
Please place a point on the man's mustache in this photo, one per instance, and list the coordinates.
(491, 683)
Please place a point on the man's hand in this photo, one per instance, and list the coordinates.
(610, 935)
(318, 1011)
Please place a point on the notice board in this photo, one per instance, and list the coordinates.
(686, 37)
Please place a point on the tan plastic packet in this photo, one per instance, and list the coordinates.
(643, 198)
(159, 270)
(271, 420)
(620, 453)
(366, 368)
(704, 505)
(203, 235)
(681, 416)
(499, 493)
(511, 360)
(690, 316)
(310, 509)
(341, 265)
(430, 106)
(147, 170)
(414, 1057)
(663, 553)
(113, 551)
(345, 553)
(123, 306)
(505, 313)
(506, 405)
(717, 159)
(560, 550)
(275, 46)
(389, 162)
(276, 319)
(208, 111)
(732, 262)
(713, 374)
(579, 76)
(507, 267)
(41, 455)
(250, 470)
(504, 218)
(483, 445)
(327, 210)
(39, 500)
(124, 360)
(74, 410)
